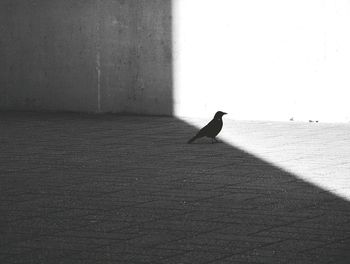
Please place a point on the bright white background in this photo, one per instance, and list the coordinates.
(262, 60)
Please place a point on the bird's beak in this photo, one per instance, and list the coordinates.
(224, 113)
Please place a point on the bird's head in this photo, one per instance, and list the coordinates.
(219, 114)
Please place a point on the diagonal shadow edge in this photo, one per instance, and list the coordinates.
(292, 162)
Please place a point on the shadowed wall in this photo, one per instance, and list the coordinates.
(90, 56)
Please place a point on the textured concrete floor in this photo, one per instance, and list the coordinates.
(110, 189)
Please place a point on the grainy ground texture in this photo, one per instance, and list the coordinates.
(123, 189)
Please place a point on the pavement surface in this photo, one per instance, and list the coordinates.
(78, 188)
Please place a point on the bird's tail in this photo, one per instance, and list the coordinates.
(192, 139)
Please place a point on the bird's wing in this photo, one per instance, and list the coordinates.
(205, 130)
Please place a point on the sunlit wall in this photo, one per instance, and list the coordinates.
(262, 60)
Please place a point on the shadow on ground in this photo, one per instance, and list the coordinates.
(125, 189)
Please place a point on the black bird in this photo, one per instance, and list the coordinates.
(212, 129)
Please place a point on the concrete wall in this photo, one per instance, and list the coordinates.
(86, 55)
(271, 60)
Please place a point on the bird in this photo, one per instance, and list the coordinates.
(212, 129)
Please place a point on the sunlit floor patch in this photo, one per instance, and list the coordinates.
(316, 153)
